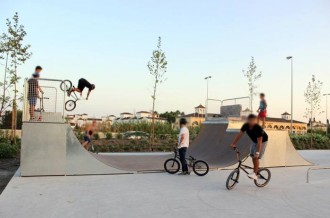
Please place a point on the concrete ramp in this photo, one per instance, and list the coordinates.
(53, 149)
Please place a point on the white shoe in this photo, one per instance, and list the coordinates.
(253, 176)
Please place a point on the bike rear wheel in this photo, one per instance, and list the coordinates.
(66, 85)
(264, 176)
(70, 105)
(172, 166)
(200, 168)
(232, 179)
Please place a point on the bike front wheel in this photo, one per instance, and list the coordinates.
(70, 105)
(232, 179)
(66, 85)
(264, 176)
(201, 168)
(172, 166)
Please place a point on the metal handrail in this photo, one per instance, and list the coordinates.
(224, 100)
(231, 99)
(314, 168)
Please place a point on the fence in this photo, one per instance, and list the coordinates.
(44, 100)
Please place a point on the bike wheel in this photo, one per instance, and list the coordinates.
(264, 176)
(232, 179)
(200, 168)
(70, 105)
(172, 166)
(66, 85)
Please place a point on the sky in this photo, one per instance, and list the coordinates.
(110, 43)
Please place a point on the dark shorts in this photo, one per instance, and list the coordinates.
(86, 139)
(33, 101)
(82, 84)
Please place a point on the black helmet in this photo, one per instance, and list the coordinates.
(92, 87)
(183, 121)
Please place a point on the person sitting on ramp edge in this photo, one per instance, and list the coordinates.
(82, 84)
(88, 134)
(183, 144)
(259, 141)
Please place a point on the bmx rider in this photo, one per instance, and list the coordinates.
(88, 134)
(82, 84)
(259, 142)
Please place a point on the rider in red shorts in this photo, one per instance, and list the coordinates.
(262, 110)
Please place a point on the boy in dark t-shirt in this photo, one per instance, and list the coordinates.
(259, 141)
(82, 84)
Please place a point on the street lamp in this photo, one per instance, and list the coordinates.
(291, 58)
(326, 112)
(207, 94)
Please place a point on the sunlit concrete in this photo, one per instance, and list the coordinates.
(163, 195)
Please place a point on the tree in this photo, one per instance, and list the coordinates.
(171, 115)
(252, 75)
(157, 67)
(5, 100)
(18, 52)
(313, 98)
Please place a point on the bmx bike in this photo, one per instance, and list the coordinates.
(70, 105)
(91, 147)
(263, 174)
(172, 165)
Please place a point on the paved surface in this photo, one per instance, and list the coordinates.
(163, 195)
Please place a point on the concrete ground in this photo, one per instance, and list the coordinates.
(163, 195)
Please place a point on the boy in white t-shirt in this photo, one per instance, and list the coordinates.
(183, 144)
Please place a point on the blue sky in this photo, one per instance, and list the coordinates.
(110, 43)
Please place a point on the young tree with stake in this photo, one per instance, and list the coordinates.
(313, 98)
(252, 75)
(157, 68)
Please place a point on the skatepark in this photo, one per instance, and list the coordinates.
(59, 178)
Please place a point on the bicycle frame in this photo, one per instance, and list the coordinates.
(241, 166)
(74, 95)
(191, 159)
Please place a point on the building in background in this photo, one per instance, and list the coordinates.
(193, 119)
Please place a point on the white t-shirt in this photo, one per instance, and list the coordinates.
(185, 143)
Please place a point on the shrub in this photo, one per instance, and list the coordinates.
(79, 135)
(119, 136)
(108, 135)
(8, 150)
(96, 136)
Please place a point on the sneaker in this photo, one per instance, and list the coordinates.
(253, 176)
(183, 173)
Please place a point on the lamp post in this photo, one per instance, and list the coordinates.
(207, 94)
(326, 112)
(291, 58)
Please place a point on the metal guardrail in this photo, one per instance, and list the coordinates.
(314, 168)
(44, 100)
(222, 101)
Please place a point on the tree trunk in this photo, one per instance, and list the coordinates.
(152, 142)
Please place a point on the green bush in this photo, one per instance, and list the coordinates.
(319, 141)
(79, 135)
(96, 136)
(119, 136)
(8, 151)
(108, 135)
